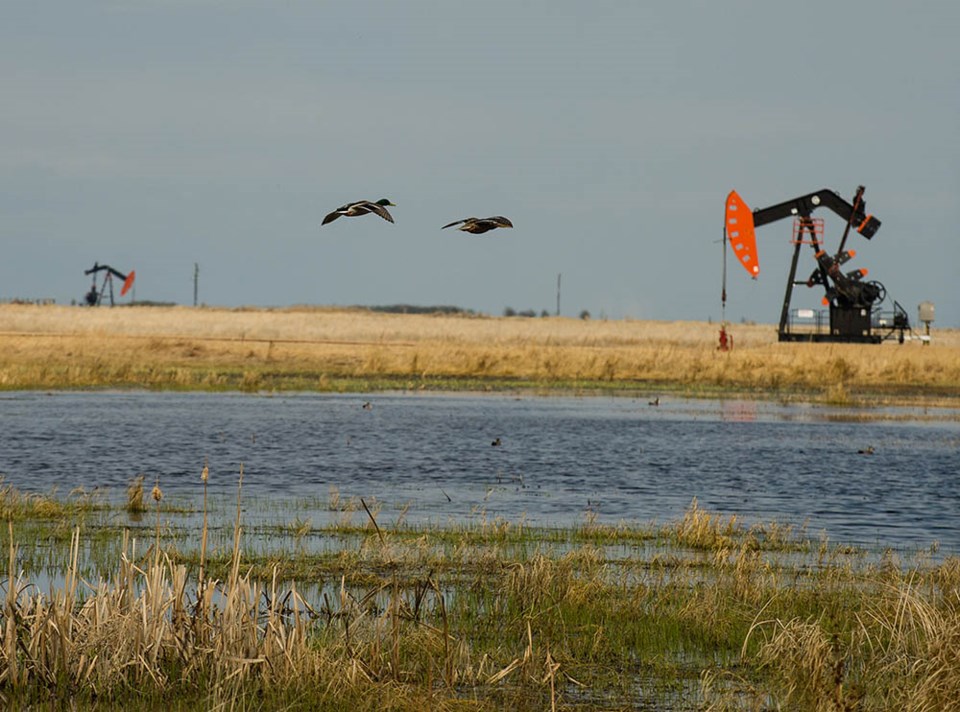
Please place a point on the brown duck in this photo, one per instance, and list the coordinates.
(478, 226)
(361, 207)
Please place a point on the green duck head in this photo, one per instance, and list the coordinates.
(385, 201)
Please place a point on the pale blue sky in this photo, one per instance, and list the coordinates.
(153, 134)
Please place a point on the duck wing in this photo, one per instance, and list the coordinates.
(342, 210)
(332, 216)
(378, 209)
(457, 222)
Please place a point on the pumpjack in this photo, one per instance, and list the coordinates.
(854, 303)
(95, 296)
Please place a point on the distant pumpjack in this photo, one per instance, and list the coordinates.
(95, 296)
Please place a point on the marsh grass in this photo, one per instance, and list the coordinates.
(19, 506)
(353, 350)
(700, 529)
(706, 612)
(135, 503)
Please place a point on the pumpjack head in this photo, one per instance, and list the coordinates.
(739, 230)
(128, 282)
(869, 226)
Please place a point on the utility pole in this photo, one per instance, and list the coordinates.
(558, 293)
(196, 280)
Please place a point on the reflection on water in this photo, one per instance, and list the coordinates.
(558, 457)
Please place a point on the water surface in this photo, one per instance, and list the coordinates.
(559, 458)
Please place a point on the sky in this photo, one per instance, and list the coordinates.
(156, 135)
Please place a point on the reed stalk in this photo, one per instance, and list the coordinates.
(10, 632)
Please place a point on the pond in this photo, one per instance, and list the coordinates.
(559, 459)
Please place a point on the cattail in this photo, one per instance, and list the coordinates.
(204, 473)
(157, 493)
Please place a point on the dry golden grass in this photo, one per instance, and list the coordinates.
(331, 349)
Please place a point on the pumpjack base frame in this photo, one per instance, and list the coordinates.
(831, 338)
(849, 325)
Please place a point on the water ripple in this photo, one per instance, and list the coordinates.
(557, 457)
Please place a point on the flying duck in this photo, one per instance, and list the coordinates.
(480, 225)
(361, 207)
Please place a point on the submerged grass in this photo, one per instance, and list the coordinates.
(703, 613)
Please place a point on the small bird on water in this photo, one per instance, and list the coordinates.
(478, 226)
(866, 451)
(362, 207)
(496, 443)
(655, 401)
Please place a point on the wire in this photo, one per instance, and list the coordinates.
(723, 292)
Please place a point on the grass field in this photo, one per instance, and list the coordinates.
(317, 349)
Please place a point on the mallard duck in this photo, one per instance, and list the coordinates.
(361, 207)
(480, 225)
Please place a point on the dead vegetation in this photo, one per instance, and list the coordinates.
(704, 613)
(329, 350)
